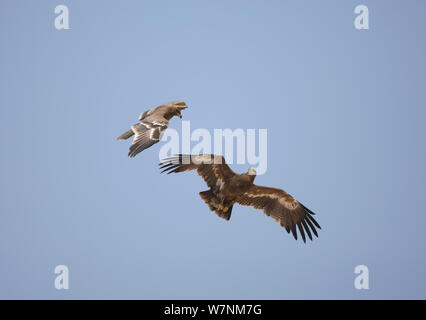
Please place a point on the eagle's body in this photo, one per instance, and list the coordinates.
(228, 188)
(221, 198)
(151, 126)
(237, 185)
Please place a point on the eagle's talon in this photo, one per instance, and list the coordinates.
(220, 207)
(225, 209)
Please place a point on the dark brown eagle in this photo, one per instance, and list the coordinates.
(151, 126)
(228, 187)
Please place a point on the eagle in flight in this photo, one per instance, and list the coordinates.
(151, 126)
(228, 188)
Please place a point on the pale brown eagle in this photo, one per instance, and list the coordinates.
(151, 126)
(228, 188)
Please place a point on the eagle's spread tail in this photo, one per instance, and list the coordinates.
(213, 203)
(126, 135)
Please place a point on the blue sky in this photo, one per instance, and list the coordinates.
(344, 110)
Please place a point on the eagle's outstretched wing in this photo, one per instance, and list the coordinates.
(212, 168)
(281, 206)
(146, 134)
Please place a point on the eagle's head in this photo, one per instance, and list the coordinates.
(177, 106)
(251, 172)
